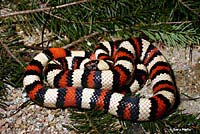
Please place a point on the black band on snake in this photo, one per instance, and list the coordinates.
(102, 80)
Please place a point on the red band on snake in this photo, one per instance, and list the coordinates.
(79, 79)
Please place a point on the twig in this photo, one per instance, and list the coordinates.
(81, 39)
(42, 9)
(10, 53)
(172, 22)
(34, 48)
(25, 104)
(189, 97)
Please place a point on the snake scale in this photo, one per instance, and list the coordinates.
(101, 80)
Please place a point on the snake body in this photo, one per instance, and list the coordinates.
(101, 80)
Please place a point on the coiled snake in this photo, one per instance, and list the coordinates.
(101, 80)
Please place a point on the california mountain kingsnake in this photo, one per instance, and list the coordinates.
(100, 80)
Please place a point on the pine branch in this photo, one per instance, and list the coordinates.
(172, 23)
(41, 9)
(183, 34)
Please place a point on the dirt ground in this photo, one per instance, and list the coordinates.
(186, 66)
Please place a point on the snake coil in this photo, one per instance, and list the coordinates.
(101, 80)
